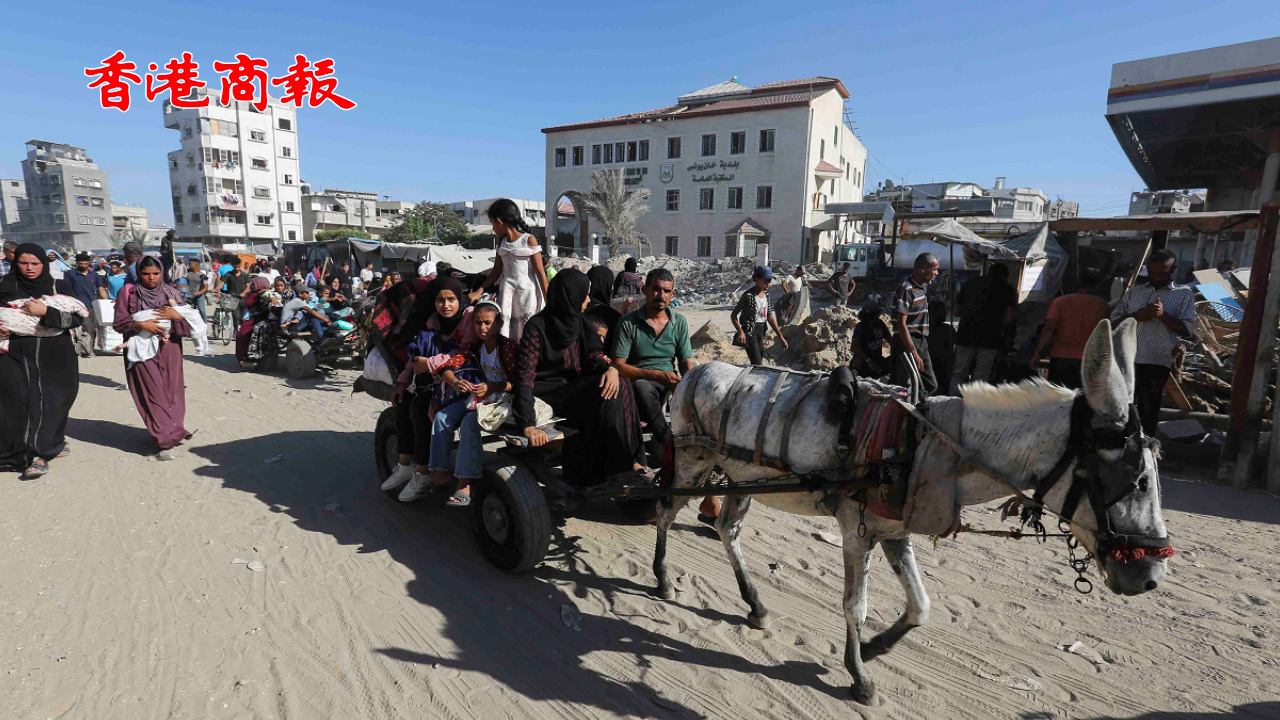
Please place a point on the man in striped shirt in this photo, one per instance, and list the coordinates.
(1165, 312)
(911, 327)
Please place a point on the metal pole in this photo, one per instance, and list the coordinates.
(952, 310)
(1257, 338)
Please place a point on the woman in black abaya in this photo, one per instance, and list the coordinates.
(561, 361)
(40, 376)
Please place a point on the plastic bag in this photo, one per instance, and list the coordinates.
(491, 415)
(376, 369)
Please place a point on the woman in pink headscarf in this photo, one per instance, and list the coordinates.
(255, 331)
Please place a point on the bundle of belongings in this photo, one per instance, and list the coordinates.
(14, 319)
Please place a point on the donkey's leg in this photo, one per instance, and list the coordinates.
(729, 525)
(902, 559)
(857, 560)
(667, 511)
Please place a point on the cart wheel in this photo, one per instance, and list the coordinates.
(859, 295)
(300, 359)
(386, 447)
(509, 517)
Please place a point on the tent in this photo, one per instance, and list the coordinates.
(387, 256)
(1043, 262)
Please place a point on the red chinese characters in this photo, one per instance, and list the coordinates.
(313, 86)
(245, 81)
(113, 90)
(179, 80)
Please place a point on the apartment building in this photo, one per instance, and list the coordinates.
(236, 180)
(334, 209)
(13, 200)
(129, 223)
(473, 212)
(68, 200)
(727, 166)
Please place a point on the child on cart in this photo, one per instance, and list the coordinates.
(469, 379)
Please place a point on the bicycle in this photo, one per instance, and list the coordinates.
(224, 324)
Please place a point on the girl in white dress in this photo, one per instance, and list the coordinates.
(523, 288)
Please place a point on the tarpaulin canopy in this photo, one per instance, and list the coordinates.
(360, 252)
(951, 232)
(1046, 262)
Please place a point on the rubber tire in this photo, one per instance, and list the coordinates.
(859, 295)
(527, 517)
(386, 447)
(300, 359)
(228, 329)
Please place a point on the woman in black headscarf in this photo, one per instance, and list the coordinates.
(40, 376)
(601, 295)
(560, 361)
(628, 281)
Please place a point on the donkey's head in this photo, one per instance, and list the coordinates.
(1118, 518)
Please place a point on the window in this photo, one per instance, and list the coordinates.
(85, 220)
(191, 189)
(766, 140)
(835, 137)
(288, 179)
(608, 153)
(284, 124)
(595, 154)
(764, 197)
(286, 151)
(704, 246)
(577, 155)
(209, 126)
(195, 218)
(644, 150)
(258, 135)
(258, 164)
(59, 219)
(293, 235)
(93, 201)
(95, 184)
(177, 218)
(262, 219)
(735, 198)
(620, 152)
(731, 246)
(707, 199)
(177, 205)
(261, 191)
(55, 180)
(673, 245)
(560, 155)
(633, 150)
(79, 182)
(822, 149)
(173, 163)
(44, 199)
(673, 201)
(708, 145)
(673, 148)
(96, 221)
(737, 142)
(288, 206)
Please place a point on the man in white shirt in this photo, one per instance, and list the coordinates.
(269, 270)
(366, 275)
(1165, 312)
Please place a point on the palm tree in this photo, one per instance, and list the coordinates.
(616, 207)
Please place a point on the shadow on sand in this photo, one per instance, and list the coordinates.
(506, 627)
(1260, 711)
(1203, 498)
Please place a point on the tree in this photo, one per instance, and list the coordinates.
(425, 221)
(615, 206)
(342, 233)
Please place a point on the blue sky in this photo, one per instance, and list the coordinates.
(452, 95)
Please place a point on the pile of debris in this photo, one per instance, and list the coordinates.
(824, 341)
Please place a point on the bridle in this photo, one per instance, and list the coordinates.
(1083, 446)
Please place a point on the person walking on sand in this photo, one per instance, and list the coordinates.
(752, 316)
(523, 289)
(912, 365)
(1067, 328)
(39, 376)
(156, 384)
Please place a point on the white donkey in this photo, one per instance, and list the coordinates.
(1109, 483)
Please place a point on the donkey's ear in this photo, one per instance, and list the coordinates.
(1124, 345)
(1104, 386)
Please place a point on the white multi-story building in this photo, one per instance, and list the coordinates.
(68, 198)
(727, 166)
(473, 213)
(236, 179)
(129, 223)
(13, 199)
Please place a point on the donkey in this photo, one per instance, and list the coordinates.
(1023, 432)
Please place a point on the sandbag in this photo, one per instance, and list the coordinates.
(933, 506)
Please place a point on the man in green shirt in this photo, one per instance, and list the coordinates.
(650, 345)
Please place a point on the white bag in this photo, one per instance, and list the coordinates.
(104, 311)
(376, 369)
(492, 415)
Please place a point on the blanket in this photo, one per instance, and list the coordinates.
(18, 322)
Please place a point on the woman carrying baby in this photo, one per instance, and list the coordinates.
(39, 376)
(157, 383)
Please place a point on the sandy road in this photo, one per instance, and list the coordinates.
(120, 598)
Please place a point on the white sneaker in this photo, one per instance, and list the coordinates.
(401, 475)
(417, 488)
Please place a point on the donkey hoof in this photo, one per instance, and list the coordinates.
(759, 622)
(864, 693)
(666, 593)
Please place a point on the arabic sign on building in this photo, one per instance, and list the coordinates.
(634, 175)
(704, 177)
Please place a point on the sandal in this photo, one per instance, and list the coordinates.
(458, 499)
(38, 467)
(65, 452)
